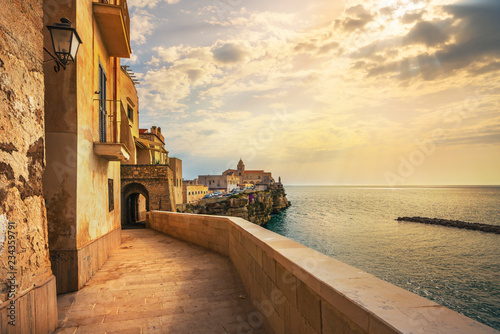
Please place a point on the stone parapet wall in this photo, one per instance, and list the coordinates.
(297, 290)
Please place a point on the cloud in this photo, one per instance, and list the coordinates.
(467, 39)
(227, 116)
(316, 47)
(410, 17)
(229, 53)
(356, 18)
(493, 66)
(132, 60)
(166, 88)
(173, 53)
(427, 33)
(388, 10)
(328, 47)
(141, 26)
(149, 3)
(250, 19)
(483, 133)
(222, 87)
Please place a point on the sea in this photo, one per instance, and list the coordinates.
(454, 267)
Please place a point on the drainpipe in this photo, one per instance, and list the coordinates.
(115, 96)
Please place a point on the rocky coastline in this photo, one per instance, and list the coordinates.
(453, 223)
(256, 207)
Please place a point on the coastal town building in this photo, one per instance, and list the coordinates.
(176, 165)
(152, 144)
(193, 191)
(251, 177)
(238, 178)
(130, 119)
(148, 180)
(86, 138)
(223, 183)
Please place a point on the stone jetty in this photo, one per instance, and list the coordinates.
(453, 223)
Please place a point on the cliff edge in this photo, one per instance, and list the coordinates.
(256, 207)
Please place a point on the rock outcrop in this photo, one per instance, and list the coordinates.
(256, 207)
(453, 223)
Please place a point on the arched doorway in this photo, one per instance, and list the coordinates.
(135, 204)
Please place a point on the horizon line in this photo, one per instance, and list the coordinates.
(393, 186)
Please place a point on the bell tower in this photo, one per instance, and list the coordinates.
(241, 167)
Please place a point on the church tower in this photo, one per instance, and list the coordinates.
(241, 167)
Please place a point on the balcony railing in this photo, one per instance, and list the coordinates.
(115, 142)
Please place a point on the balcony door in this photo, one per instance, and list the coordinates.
(102, 104)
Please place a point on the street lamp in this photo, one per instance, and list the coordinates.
(65, 41)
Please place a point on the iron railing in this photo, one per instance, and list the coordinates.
(109, 123)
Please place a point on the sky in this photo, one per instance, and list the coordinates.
(385, 92)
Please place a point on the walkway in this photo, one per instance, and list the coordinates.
(156, 284)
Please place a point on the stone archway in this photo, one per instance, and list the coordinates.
(153, 182)
(132, 194)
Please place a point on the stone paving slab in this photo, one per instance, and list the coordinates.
(157, 284)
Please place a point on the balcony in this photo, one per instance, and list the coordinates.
(112, 151)
(114, 24)
(115, 139)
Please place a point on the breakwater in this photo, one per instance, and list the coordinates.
(256, 206)
(453, 223)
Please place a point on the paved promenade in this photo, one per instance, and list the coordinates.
(156, 284)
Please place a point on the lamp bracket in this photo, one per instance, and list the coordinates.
(58, 65)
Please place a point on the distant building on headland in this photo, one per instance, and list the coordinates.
(192, 191)
(239, 178)
(219, 182)
(258, 178)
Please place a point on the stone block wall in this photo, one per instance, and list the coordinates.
(295, 289)
(157, 179)
(210, 232)
(27, 286)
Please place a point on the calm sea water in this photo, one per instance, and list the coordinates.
(457, 268)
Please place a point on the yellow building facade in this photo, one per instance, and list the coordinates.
(151, 145)
(176, 165)
(85, 141)
(192, 191)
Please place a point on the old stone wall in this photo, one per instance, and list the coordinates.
(24, 252)
(157, 179)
